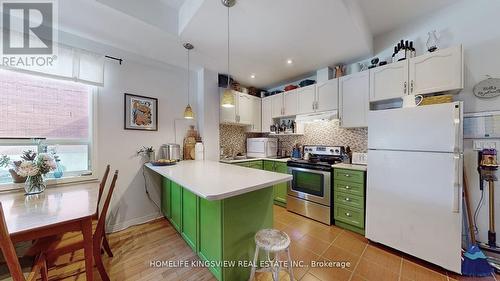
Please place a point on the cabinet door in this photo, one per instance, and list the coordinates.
(176, 208)
(267, 119)
(290, 103)
(210, 243)
(244, 110)
(190, 218)
(389, 81)
(268, 166)
(306, 99)
(354, 104)
(228, 114)
(277, 105)
(165, 198)
(256, 115)
(437, 72)
(327, 95)
(280, 190)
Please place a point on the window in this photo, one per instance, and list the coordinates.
(46, 115)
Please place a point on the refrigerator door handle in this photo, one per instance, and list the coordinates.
(457, 184)
(457, 122)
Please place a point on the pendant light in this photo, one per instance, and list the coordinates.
(228, 96)
(188, 112)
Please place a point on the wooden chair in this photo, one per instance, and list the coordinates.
(105, 243)
(16, 271)
(64, 245)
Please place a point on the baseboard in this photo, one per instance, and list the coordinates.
(132, 222)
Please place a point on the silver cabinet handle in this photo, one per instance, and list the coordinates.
(347, 187)
(411, 86)
(347, 175)
(348, 214)
(348, 199)
(405, 86)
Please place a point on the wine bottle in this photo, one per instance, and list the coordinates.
(413, 52)
(407, 50)
(394, 54)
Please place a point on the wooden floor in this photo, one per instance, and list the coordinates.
(135, 247)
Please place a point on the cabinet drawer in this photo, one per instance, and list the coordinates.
(349, 175)
(350, 200)
(349, 215)
(349, 187)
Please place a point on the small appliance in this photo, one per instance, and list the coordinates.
(310, 191)
(262, 147)
(171, 151)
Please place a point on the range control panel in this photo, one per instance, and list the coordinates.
(324, 150)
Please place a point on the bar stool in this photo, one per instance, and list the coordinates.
(272, 241)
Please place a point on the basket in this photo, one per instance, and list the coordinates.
(428, 100)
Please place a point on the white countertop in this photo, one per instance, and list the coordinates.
(254, 159)
(213, 180)
(363, 168)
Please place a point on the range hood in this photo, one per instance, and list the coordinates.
(317, 117)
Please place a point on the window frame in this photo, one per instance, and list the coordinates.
(91, 142)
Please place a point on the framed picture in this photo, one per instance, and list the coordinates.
(141, 113)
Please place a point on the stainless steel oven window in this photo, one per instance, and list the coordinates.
(307, 182)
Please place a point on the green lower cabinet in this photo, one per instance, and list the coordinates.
(176, 205)
(280, 190)
(221, 230)
(190, 218)
(349, 199)
(210, 234)
(165, 198)
(268, 165)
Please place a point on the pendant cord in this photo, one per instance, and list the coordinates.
(228, 75)
(188, 74)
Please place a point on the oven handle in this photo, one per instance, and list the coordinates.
(325, 173)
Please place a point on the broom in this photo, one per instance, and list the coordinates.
(474, 262)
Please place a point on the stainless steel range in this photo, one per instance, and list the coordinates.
(310, 191)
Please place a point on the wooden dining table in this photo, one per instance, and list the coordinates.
(57, 210)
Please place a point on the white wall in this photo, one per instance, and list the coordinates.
(475, 25)
(118, 147)
(208, 114)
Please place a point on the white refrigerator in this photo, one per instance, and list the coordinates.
(414, 181)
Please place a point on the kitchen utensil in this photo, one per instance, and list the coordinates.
(171, 151)
(307, 156)
(164, 162)
(411, 100)
(307, 82)
(290, 87)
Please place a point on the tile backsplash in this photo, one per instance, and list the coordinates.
(233, 138)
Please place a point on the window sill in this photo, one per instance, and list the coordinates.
(50, 182)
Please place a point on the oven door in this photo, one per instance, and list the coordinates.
(310, 185)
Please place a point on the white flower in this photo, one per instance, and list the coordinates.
(27, 168)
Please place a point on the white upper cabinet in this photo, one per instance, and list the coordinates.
(256, 125)
(290, 103)
(437, 72)
(277, 105)
(228, 114)
(267, 118)
(327, 96)
(389, 81)
(354, 99)
(245, 109)
(306, 99)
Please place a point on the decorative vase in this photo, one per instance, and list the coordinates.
(59, 171)
(432, 41)
(34, 184)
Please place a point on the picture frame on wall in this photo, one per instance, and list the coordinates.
(141, 113)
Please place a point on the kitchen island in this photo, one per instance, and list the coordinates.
(217, 208)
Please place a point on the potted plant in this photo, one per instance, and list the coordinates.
(148, 152)
(34, 167)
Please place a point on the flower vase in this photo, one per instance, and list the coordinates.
(34, 184)
(59, 171)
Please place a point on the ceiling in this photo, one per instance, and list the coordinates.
(386, 15)
(264, 34)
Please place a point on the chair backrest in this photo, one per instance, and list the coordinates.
(102, 184)
(101, 222)
(8, 250)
